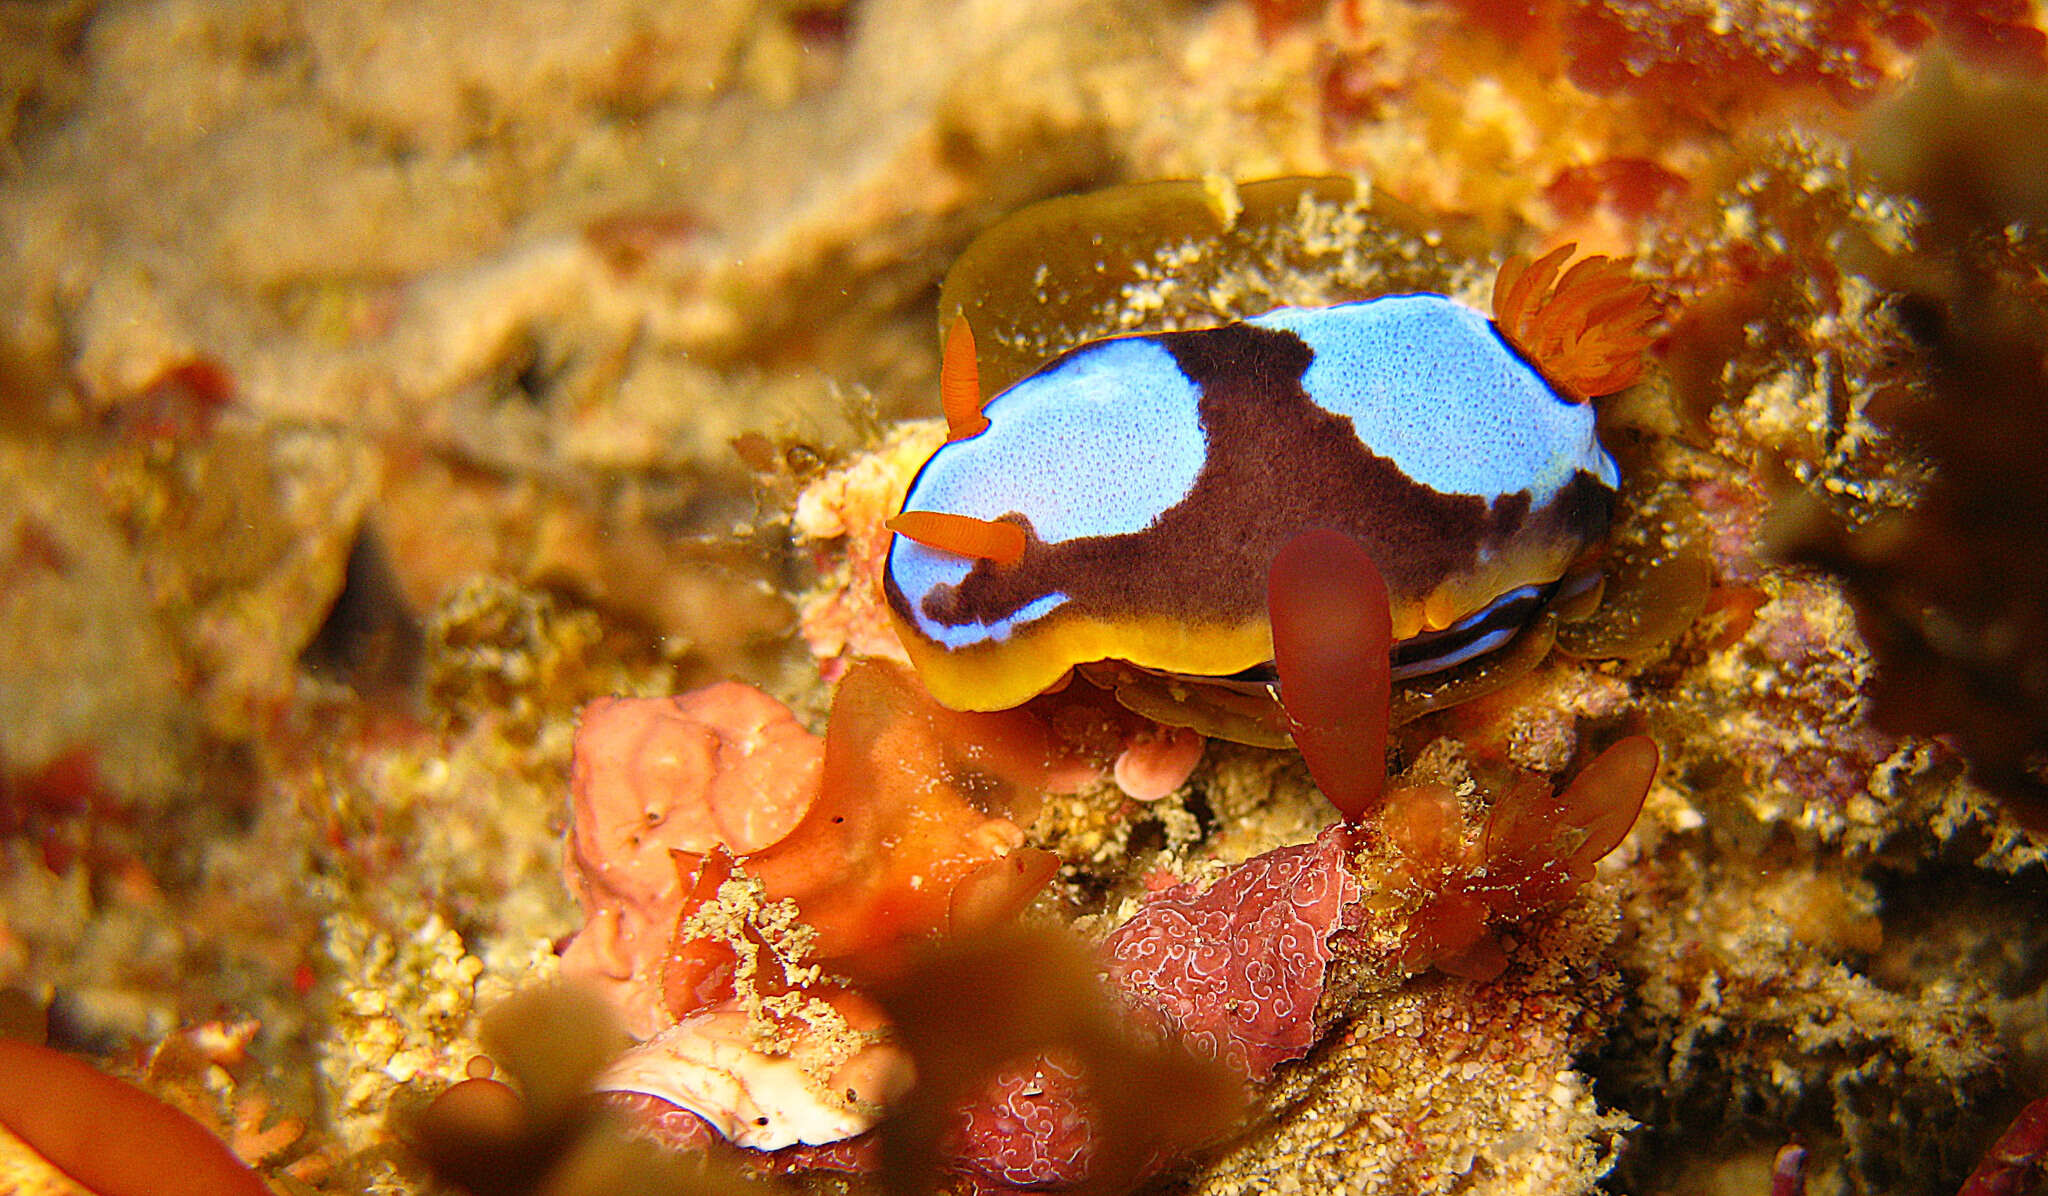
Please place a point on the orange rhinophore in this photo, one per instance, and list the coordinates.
(960, 384)
(983, 539)
(1586, 333)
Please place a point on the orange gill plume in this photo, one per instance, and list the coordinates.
(1588, 331)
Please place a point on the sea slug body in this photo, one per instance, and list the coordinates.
(1126, 501)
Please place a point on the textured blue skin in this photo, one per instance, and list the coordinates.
(1097, 445)
(1103, 441)
(1429, 384)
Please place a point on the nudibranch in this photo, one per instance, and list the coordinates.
(1126, 501)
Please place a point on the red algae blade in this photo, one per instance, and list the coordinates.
(1605, 799)
(1332, 632)
(999, 890)
(109, 1135)
(1541, 846)
(914, 798)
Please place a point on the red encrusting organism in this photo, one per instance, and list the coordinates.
(1028, 1128)
(1237, 969)
(63, 806)
(907, 828)
(2019, 1156)
(915, 801)
(1633, 188)
(1699, 60)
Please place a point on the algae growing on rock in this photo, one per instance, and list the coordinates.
(559, 261)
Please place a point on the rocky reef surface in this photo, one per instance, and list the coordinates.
(381, 385)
